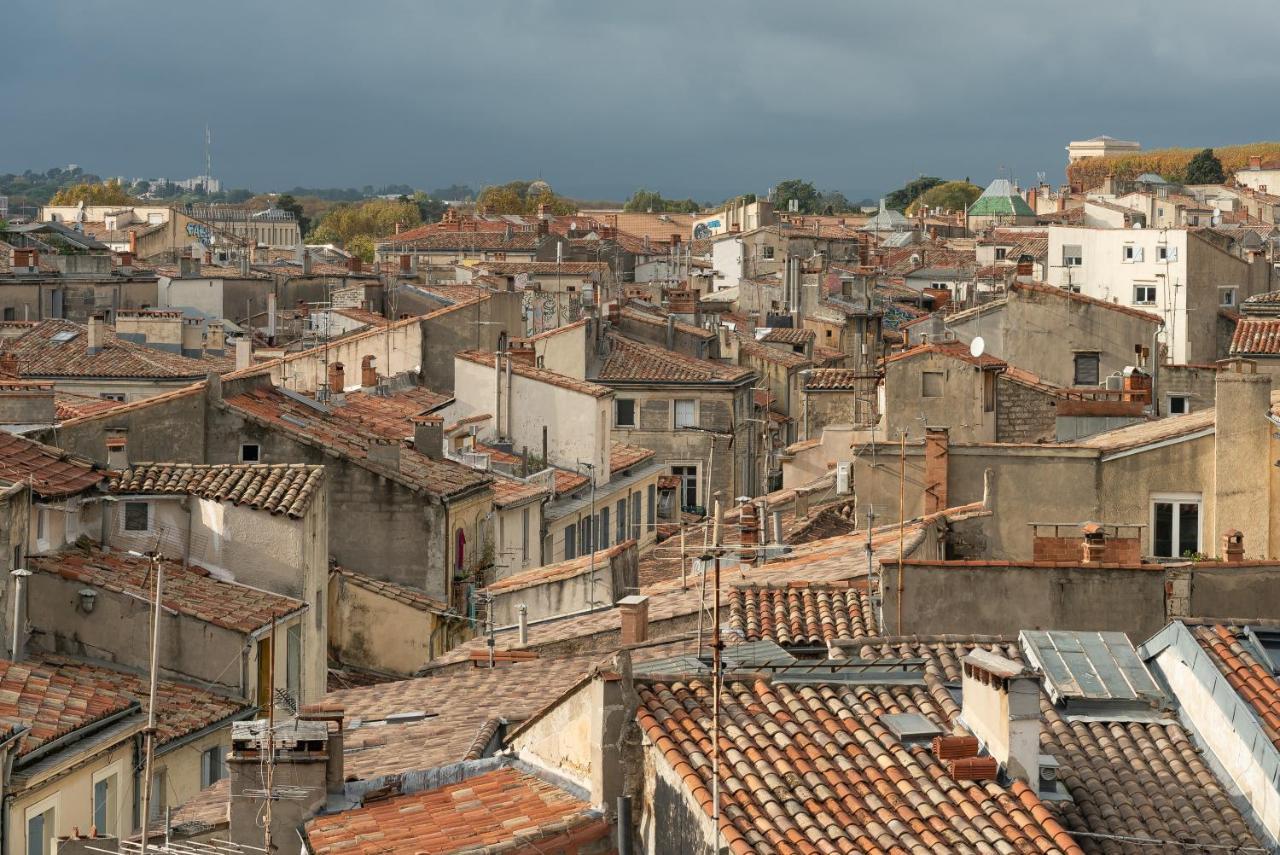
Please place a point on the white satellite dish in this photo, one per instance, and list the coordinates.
(977, 347)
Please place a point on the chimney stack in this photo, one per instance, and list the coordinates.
(428, 436)
(635, 619)
(368, 372)
(385, 452)
(355, 264)
(117, 451)
(1242, 461)
(749, 524)
(522, 618)
(133, 242)
(1095, 543)
(215, 343)
(1233, 545)
(96, 333)
(1000, 705)
(337, 378)
(9, 366)
(126, 263)
(244, 352)
(333, 715)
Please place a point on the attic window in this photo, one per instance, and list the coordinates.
(250, 453)
(137, 516)
(64, 336)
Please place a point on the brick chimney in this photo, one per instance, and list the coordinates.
(133, 242)
(1094, 547)
(936, 448)
(1000, 705)
(1255, 161)
(635, 619)
(355, 264)
(337, 378)
(368, 372)
(96, 333)
(1233, 545)
(126, 263)
(9, 366)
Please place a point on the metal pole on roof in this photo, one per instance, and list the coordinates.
(902, 511)
(157, 568)
(271, 735)
(716, 681)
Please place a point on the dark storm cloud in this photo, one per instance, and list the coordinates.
(699, 99)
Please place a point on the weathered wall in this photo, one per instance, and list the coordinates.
(1241, 476)
(992, 598)
(614, 578)
(470, 326)
(371, 631)
(171, 429)
(1024, 414)
(1239, 591)
(959, 407)
(1126, 485)
(670, 817)
(74, 796)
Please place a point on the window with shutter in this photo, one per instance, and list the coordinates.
(1086, 369)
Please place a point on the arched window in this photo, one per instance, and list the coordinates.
(460, 551)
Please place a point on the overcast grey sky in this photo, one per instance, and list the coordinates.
(704, 99)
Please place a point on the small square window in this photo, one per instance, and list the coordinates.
(1226, 296)
(1127, 252)
(624, 413)
(1000, 253)
(1178, 405)
(1072, 255)
(112, 396)
(1086, 373)
(250, 453)
(931, 383)
(137, 516)
(767, 252)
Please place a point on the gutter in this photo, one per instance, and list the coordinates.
(9, 796)
(76, 735)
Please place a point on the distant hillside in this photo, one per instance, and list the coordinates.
(1169, 163)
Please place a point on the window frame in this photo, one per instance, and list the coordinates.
(688, 479)
(1227, 297)
(617, 415)
(924, 384)
(124, 520)
(1177, 500)
(1186, 404)
(1141, 288)
(1073, 260)
(257, 452)
(49, 807)
(675, 413)
(213, 759)
(620, 521)
(1076, 363)
(570, 537)
(112, 774)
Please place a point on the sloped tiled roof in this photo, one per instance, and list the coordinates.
(630, 360)
(498, 811)
(789, 335)
(39, 355)
(560, 570)
(798, 613)
(401, 594)
(658, 319)
(548, 268)
(445, 241)
(53, 703)
(1144, 433)
(836, 379)
(542, 375)
(1127, 778)
(52, 472)
(623, 456)
(190, 590)
(1252, 681)
(509, 491)
(954, 349)
(69, 405)
(783, 356)
(351, 438)
(281, 488)
(181, 708)
(1259, 336)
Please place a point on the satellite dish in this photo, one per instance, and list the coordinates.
(977, 347)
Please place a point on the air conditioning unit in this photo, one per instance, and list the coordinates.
(844, 478)
(476, 459)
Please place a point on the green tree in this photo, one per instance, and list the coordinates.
(429, 208)
(453, 193)
(902, 197)
(356, 226)
(949, 196)
(110, 193)
(288, 203)
(1205, 168)
(807, 198)
(834, 202)
(514, 198)
(649, 200)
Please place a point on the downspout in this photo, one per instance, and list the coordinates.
(1155, 372)
(509, 433)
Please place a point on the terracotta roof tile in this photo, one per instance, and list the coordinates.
(53, 473)
(181, 708)
(53, 703)
(401, 594)
(785, 357)
(566, 268)
(1251, 680)
(839, 379)
(445, 241)
(501, 810)
(1072, 296)
(630, 360)
(542, 375)
(1144, 433)
(389, 415)
(40, 355)
(509, 491)
(208, 809)
(351, 437)
(954, 349)
(655, 319)
(623, 456)
(68, 405)
(798, 613)
(560, 570)
(282, 488)
(1256, 336)
(788, 335)
(190, 590)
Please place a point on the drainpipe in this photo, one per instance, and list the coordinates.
(1155, 372)
(19, 574)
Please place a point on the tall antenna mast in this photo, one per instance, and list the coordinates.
(208, 157)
